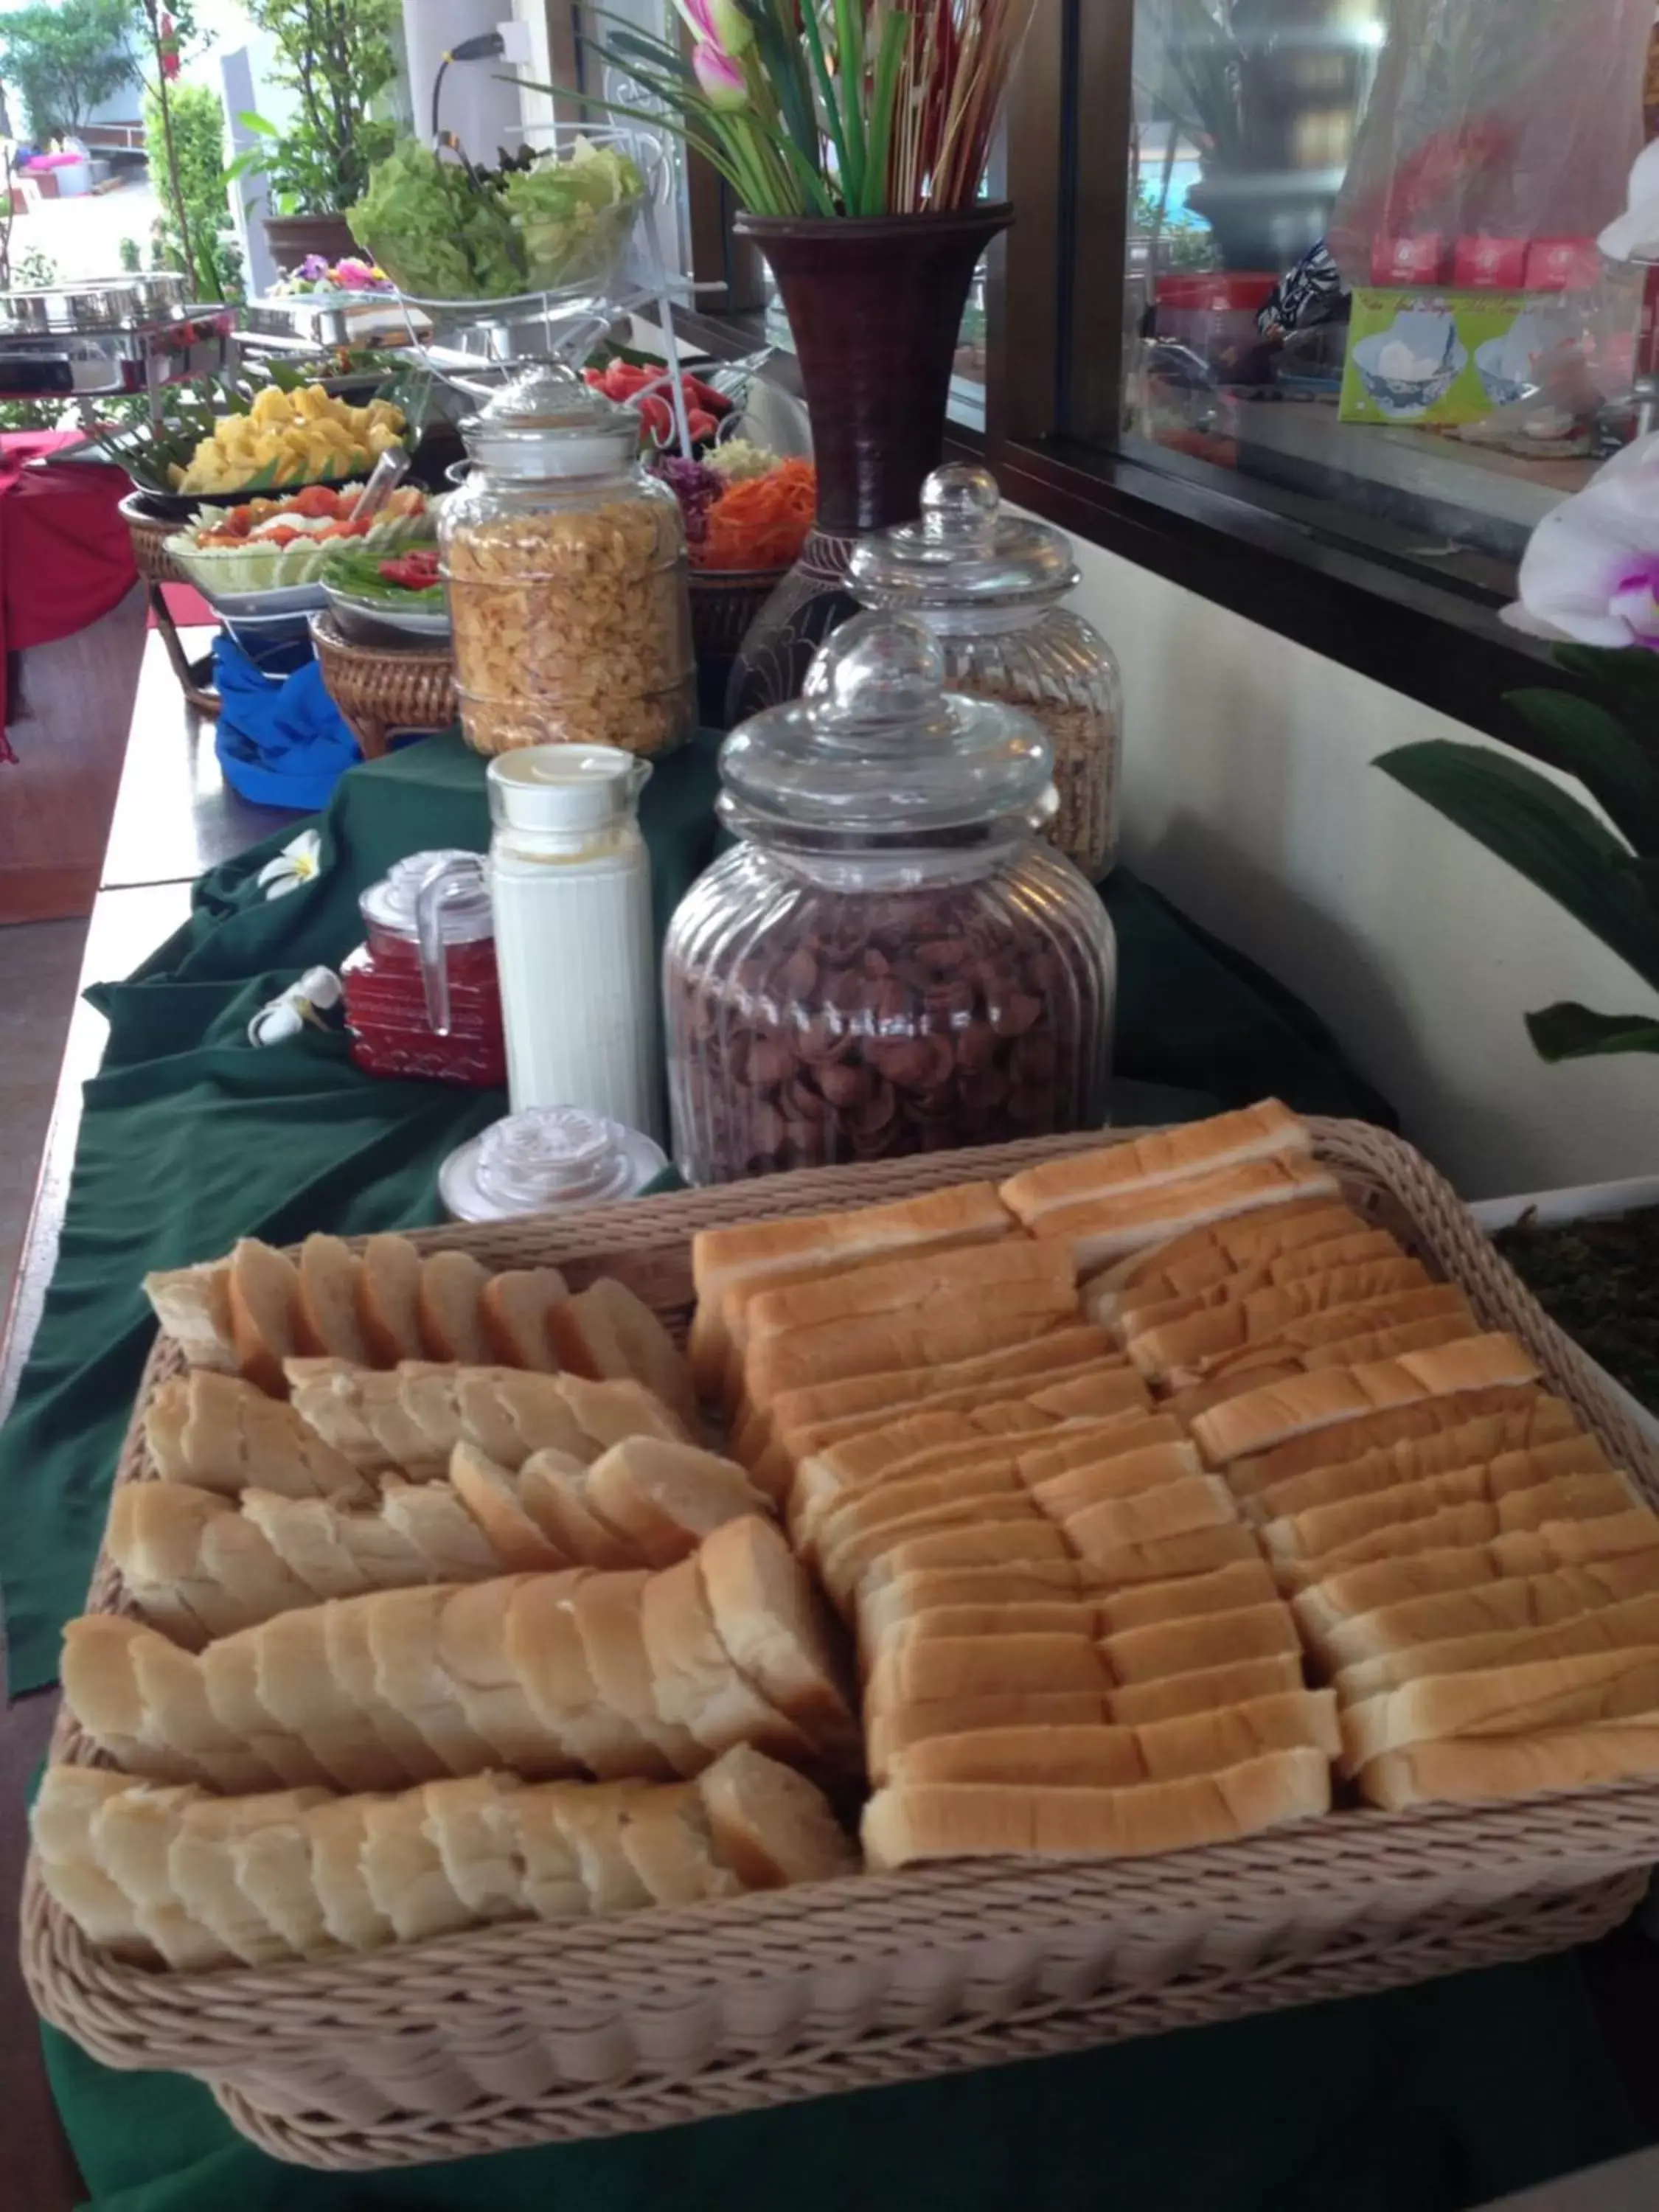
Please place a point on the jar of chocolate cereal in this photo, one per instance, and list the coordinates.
(890, 959)
(987, 584)
(565, 572)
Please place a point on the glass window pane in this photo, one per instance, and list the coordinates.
(1473, 356)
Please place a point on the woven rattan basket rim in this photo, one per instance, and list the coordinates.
(1308, 1874)
(415, 660)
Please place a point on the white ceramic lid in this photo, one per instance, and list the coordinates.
(547, 1156)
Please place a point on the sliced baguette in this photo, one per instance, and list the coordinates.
(609, 1334)
(490, 1495)
(665, 1497)
(607, 1609)
(389, 1300)
(328, 1321)
(769, 1825)
(264, 1313)
(513, 1311)
(447, 1308)
(697, 1683)
(768, 1616)
(192, 1304)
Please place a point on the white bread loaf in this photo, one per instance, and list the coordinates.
(1549, 1505)
(811, 1244)
(1316, 1311)
(1132, 1312)
(299, 1874)
(1203, 1690)
(1472, 1770)
(1122, 1475)
(1255, 1422)
(192, 1304)
(1320, 1530)
(1162, 1156)
(609, 1334)
(1321, 1604)
(1519, 1417)
(1173, 1266)
(1101, 1229)
(1518, 1603)
(1590, 1690)
(515, 1309)
(1166, 1648)
(1108, 1758)
(1474, 1443)
(904, 1823)
(948, 1667)
(221, 1433)
(1614, 1627)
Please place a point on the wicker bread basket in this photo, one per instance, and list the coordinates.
(381, 690)
(522, 2034)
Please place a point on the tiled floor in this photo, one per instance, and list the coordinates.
(40, 966)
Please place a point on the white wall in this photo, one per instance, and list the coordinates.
(1249, 800)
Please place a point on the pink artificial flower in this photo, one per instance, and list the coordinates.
(719, 23)
(354, 276)
(1590, 571)
(720, 78)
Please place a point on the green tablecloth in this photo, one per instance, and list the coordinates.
(1431, 2097)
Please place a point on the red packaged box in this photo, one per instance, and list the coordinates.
(1563, 265)
(1409, 260)
(1490, 265)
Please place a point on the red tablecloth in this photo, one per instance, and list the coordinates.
(65, 556)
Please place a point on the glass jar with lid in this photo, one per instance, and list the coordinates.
(988, 585)
(890, 960)
(422, 993)
(565, 567)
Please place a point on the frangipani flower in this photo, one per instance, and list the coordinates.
(299, 862)
(318, 991)
(1591, 568)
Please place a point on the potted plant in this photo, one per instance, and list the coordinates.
(854, 134)
(338, 59)
(1589, 577)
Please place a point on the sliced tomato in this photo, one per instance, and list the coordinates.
(415, 572)
(281, 535)
(316, 503)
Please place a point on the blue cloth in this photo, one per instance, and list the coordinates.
(282, 741)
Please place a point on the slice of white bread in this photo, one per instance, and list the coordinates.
(665, 1497)
(389, 1300)
(770, 1826)
(697, 1684)
(904, 1823)
(768, 1616)
(1107, 1758)
(1203, 1690)
(1572, 1497)
(1168, 1648)
(607, 1610)
(329, 1322)
(1521, 1602)
(1162, 1156)
(1321, 1529)
(1570, 1450)
(1472, 1770)
(608, 1334)
(1173, 1266)
(1318, 1309)
(1508, 1419)
(964, 1214)
(667, 1840)
(265, 1312)
(1101, 1229)
(514, 1309)
(447, 1307)
(193, 1305)
(1255, 1422)
(945, 1668)
(1590, 1690)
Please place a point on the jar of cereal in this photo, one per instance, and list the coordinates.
(565, 571)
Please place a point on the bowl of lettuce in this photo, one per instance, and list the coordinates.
(557, 221)
(372, 594)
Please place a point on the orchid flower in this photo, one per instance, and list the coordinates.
(718, 23)
(1590, 571)
(721, 79)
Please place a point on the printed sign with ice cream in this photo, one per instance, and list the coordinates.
(1422, 357)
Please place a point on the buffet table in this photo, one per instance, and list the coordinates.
(1445, 2094)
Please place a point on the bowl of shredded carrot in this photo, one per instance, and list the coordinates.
(759, 523)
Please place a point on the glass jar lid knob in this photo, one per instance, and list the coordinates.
(966, 551)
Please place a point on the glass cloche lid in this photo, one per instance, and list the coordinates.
(549, 422)
(965, 551)
(878, 749)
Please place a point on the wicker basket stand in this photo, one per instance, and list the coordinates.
(380, 689)
(156, 567)
(518, 2034)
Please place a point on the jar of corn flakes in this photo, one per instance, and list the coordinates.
(565, 571)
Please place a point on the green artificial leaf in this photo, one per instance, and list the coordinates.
(1627, 679)
(1586, 741)
(249, 121)
(1543, 833)
(1569, 1031)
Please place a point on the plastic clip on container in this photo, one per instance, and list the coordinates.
(421, 996)
(565, 570)
(546, 1158)
(987, 584)
(892, 960)
(570, 882)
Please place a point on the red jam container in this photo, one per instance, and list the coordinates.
(421, 994)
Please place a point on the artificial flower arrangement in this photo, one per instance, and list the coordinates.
(828, 107)
(314, 276)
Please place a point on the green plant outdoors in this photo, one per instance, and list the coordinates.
(338, 59)
(198, 148)
(1605, 878)
(66, 59)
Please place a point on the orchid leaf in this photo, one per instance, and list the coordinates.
(1584, 740)
(1568, 1031)
(1628, 681)
(1542, 832)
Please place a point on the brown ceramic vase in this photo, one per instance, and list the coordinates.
(874, 304)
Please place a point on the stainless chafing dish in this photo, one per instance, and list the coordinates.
(104, 303)
(114, 335)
